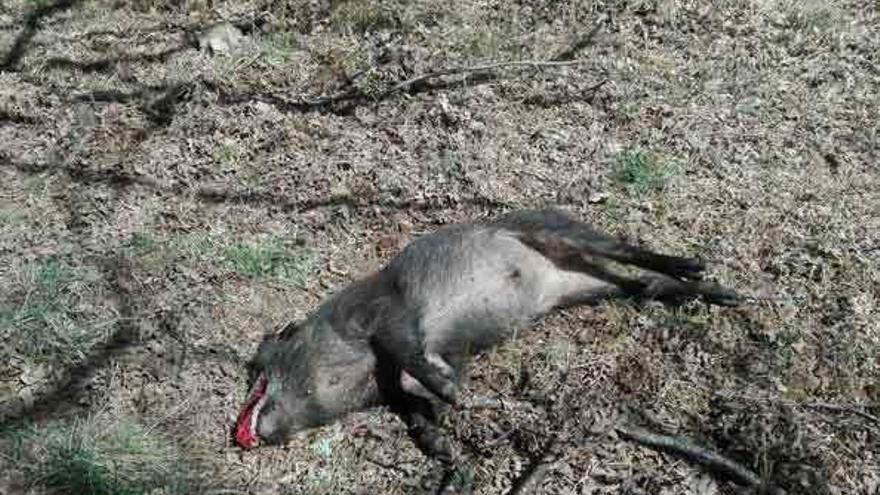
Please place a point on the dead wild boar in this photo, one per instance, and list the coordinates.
(403, 336)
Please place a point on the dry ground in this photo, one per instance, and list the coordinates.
(161, 208)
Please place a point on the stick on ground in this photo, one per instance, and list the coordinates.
(403, 85)
(716, 463)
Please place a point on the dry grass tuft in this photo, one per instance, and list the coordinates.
(102, 455)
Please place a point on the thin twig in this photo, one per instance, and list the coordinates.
(243, 64)
(475, 69)
(696, 454)
(305, 103)
(843, 408)
(856, 409)
(499, 403)
(387, 465)
(354, 94)
(794, 299)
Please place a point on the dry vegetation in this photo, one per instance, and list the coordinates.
(161, 208)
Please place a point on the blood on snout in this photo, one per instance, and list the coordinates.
(246, 430)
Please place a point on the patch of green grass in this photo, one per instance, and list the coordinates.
(557, 354)
(448, 167)
(158, 254)
(278, 46)
(73, 466)
(405, 17)
(142, 242)
(338, 466)
(810, 16)
(11, 217)
(36, 186)
(627, 111)
(464, 477)
(749, 106)
(365, 17)
(614, 209)
(195, 246)
(324, 447)
(269, 260)
(254, 259)
(38, 320)
(16, 435)
(225, 154)
(50, 277)
(90, 457)
(493, 41)
(641, 173)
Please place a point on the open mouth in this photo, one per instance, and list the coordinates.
(246, 430)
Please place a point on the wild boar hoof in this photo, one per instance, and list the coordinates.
(450, 394)
(435, 445)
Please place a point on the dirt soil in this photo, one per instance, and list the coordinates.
(162, 207)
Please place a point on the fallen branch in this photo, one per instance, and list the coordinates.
(496, 403)
(355, 94)
(859, 410)
(472, 70)
(793, 299)
(714, 462)
(842, 408)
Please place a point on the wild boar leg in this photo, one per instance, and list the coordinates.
(655, 286)
(412, 386)
(431, 376)
(404, 342)
(417, 412)
(422, 428)
(667, 288)
(555, 233)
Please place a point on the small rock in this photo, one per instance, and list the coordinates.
(34, 375)
(597, 197)
(263, 108)
(476, 126)
(220, 38)
(340, 191)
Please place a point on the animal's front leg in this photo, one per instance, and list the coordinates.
(405, 343)
(411, 385)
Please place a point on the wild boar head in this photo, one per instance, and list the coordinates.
(305, 377)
